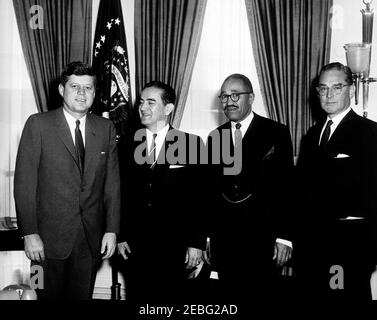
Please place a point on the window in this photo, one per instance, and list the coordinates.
(16, 104)
(225, 48)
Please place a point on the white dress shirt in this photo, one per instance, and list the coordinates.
(71, 120)
(160, 139)
(336, 120)
(245, 123)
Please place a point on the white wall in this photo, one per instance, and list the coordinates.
(347, 28)
(225, 48)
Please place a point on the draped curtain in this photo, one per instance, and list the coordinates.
(291, 42)
(167, 35)
(65, 37)
(225, 48)
(17, 104)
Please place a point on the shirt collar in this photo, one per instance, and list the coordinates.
(244, 123)
(161, 134)
(339, 117)
(72, 120)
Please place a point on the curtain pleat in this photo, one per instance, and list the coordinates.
(167, 35)
(65, 37)
(291, 42)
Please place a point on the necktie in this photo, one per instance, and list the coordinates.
(237, 136)
(326, 134)
(79, 145)
(152, 150)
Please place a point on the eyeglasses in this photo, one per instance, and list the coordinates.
(235, 96)
(336, 89)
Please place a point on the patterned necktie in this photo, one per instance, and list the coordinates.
(326, 134)
(152, 150)
(79, 145)
(237, 136)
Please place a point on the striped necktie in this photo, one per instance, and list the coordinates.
(152, 150)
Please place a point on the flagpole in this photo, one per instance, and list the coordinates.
(115, 287)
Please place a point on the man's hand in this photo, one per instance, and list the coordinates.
(282, 253)
(124, 249)
(34, 247)
(108, 245)
(193, 257)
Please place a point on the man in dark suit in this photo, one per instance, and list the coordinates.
(338, 179)
(162, 231)
(67, 189)
(250, 223)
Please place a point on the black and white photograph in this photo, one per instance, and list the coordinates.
(188, 159)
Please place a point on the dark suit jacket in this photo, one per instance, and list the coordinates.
(52, 197)
(267, 164)
(340, 180)
(161, 210)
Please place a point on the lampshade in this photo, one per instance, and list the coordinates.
(358, 58)
(367, 14)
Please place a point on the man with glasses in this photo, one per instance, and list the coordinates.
(338, 183)
(250, 225)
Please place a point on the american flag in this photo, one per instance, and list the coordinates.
(110, 61)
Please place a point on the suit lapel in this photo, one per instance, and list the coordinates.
(341, 130)
(92, 144)
(251, 130)
(317, 134)
(228, 126)
(254, 141)
(65, 135)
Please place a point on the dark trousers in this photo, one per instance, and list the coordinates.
(242, 246)
(337, 263)
(72, 278)
(153, 283)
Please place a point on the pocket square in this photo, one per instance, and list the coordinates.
(352, 218)
(269, 153)
(175, 166)
(341, 155)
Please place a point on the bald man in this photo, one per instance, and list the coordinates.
(251, 231)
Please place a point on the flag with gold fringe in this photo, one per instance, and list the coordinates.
(110, 62)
